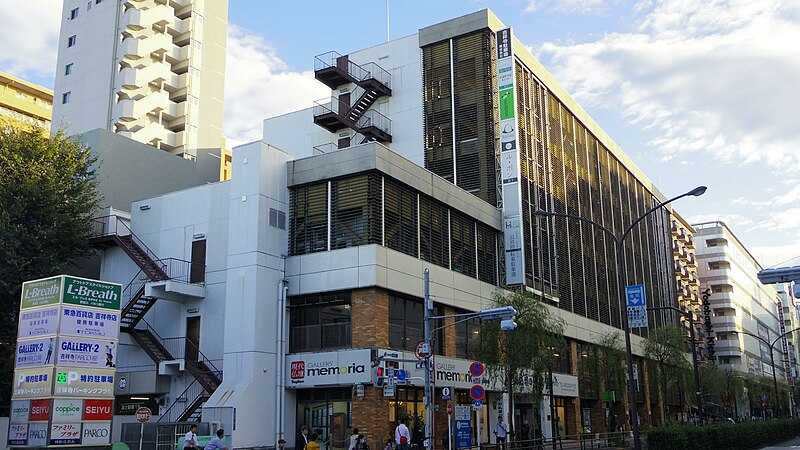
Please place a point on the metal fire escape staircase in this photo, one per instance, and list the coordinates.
(336, 113)
(138, 299)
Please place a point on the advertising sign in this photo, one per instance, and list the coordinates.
(463, 431)
(80, 382)
(37, 434)
(35, 352)
(18, 434)
(65, 433)
(329, 368)
(67, 410)
(80, 352)
(89, 323)
(96, 433)
(37, 382)
(97, 409)
(42, 292)
(40, 410)
(20, 410)
(38, 322)
(92, 293)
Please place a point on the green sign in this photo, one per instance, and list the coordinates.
(41, 292)
(609, 396)
(506, 104)
(96, 294)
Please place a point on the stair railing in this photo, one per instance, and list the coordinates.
(114, 225)
(177, 347)
(360, 72)
(182, 402)
(175, 269)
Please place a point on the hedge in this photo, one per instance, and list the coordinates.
(732, 436)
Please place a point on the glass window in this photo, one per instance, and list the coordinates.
(406, 324)
(68, 69)
(66, 97)
(73, 14)
(72, 40)
(468, 338)
(320, 322)
(308, 225)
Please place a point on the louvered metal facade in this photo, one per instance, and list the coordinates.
(564, 168)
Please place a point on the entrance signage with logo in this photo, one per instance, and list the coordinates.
(345, 368)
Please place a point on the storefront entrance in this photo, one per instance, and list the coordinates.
(328, 413)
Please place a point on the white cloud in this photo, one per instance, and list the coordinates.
(29, 35)
(783, 255)
(258, 84)
(716, 77)
(568, 6)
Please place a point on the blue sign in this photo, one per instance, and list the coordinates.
(463, 429)
(637, 306)
(477, 405)
(401, 375)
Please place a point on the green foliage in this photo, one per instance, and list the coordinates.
(730, 436)
(714, 383)
(666, 346)
(606, 360)
(518, 359)
(48, 194)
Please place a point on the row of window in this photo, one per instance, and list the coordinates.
(374, 209)
(74, 12)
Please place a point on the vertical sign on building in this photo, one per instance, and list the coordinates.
(509, 160)
(65, 362)
(637, 306)
(784, 344)
(711, 340)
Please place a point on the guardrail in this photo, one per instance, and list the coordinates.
(358, 72)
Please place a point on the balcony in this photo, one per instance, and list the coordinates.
(334, 115)
(335, 70)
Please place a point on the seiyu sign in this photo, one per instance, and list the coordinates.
(330, 368)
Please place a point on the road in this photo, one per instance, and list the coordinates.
(791, 443)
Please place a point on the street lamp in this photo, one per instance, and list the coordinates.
(505, 314)
(771, 355)
(620, 249)
(697, 390)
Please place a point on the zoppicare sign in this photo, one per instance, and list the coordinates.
(330, 368)
(38, 322)
(35, 352)
(80, 352)
(92, 293)
(101, 324)
(42, 292)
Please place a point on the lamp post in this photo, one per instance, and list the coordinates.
(503, 313)
(697, 390)
(553, 424)
(771, 355)
(620, 249)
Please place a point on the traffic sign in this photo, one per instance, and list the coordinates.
(477, 392)
(422, 350)
(402, 375)
(447, 393)
(477, 380)
(388, 391)
(477, 405)
(637, 306)
(390, 371)
(476, 369)
(449, 409)
(143, 414)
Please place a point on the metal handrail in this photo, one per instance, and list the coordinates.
(112, 225)
(193, 391)
(175, 269)
(360, 73)
(616, 439)
(177, 348)
(370, 117)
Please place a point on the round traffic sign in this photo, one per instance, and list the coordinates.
(476, 369)
(143, 414)
(449, 409)
(477, 392)
(422, 350)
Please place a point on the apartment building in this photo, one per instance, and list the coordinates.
(22, 102)
(149, 70)
(687, 281)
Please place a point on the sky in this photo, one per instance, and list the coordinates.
(695, 92)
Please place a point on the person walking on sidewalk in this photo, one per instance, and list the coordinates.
(402, 436)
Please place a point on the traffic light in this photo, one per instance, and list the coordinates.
(378, 374)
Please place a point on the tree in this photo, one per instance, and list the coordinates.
(666, 346)
(48, 194)
(519, 359)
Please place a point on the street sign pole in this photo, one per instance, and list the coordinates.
(427, 396)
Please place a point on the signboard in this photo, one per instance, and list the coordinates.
(39, 322)
(80, 382)
(100, 324)
(477, 392)
(20, 410)
(637, 306)
(476, 369)
(509, 160)
(37, 382)
(81, 352)
(786, 363)
(463, 438)
(711, 340)
(447, 393)
(37, 434)
(330, 368)
(18, 434)
(388, 390)
(40, 410)
(35, 352)
(143, 414)
(65, 433)
(126, 406)
(67, 410)
(96, 433)
(42, 292)
(92, 293)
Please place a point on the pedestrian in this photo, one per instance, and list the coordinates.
(402, 436)
(190, 440)
(361, 443)
(302, 438)
(281, 444)
(417, 438)
(500, 432)
(353, 439)
(216, 443)
(312, 442)
(389, 444)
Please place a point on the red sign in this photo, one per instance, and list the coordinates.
(476, 369)
(298, 370)
(143, 414)
(40, 410)
(422, 350)
(449, 409)
(477, 392)
(97, 409)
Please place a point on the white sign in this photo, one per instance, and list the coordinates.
(462, 412)
(36, 382)
(35, 352)
(18, 434)
(38, 322)
(388, 391)
(37, 434)
(67, 410)
(96, 433)
(80, 352)
(88, 322)
(564, 385)
(20, 410)
(329, 368)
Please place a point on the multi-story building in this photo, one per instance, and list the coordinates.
(22, 102)
(740, 303)
(688, 283)
(289, 281)
(149, 70)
